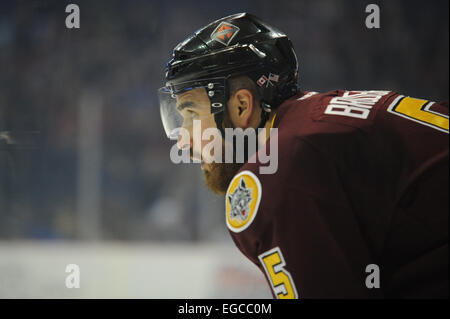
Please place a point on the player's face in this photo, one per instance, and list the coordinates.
(195, 105)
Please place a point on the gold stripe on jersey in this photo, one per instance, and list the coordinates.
(419, 111)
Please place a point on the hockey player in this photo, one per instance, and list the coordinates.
(358, 204)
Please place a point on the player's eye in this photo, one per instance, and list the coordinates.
(189, 115)
(192, 114)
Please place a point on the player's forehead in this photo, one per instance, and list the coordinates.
(195, 98)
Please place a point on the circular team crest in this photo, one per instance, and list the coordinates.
(242, 201)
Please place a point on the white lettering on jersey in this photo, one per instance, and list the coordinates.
(354, 103)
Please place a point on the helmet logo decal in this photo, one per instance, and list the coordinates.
(268, 80)
(242, 201)
(224, 33)
(273, 77)
(262, 80)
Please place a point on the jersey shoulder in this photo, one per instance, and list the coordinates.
(332, 112)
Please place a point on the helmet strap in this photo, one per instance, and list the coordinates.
(218, 118)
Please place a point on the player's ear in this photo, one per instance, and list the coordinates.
(241, 108)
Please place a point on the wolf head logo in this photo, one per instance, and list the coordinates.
(239, 201)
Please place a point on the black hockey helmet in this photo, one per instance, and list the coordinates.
(240, 44)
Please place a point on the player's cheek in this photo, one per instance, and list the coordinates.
(211, 142)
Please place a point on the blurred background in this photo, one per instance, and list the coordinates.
(85, 173)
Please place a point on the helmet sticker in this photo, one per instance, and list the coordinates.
(273, 77)
(262, 80)
(242, 201)
(224, 33)
(268, 80)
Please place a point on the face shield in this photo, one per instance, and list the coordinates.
(171, 111)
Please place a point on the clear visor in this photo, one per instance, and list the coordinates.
(171, 117)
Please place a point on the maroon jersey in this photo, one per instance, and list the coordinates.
(358, 206)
